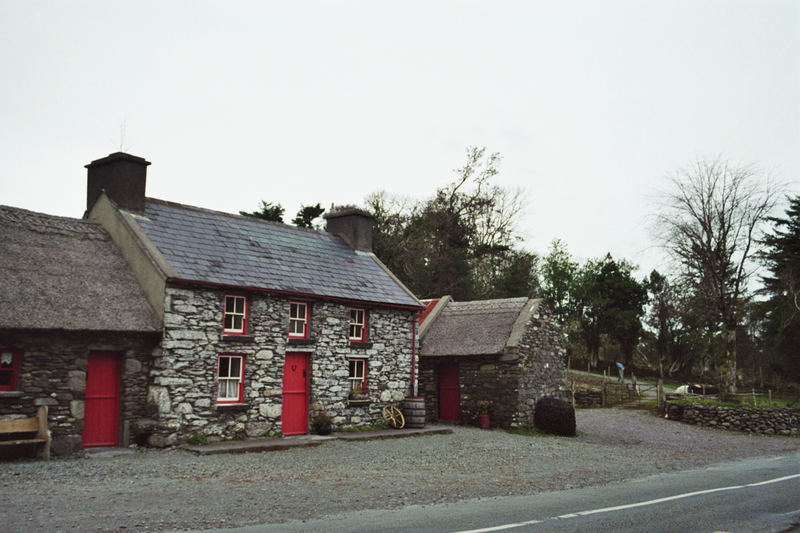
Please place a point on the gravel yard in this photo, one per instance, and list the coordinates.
(174, 489)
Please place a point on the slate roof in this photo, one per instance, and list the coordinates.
(63, 273)
(211, 247)
(482, 327)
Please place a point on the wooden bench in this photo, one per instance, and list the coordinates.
(31, 432)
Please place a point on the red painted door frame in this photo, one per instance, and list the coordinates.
(101, 406)
(449, 392)
(294, 412)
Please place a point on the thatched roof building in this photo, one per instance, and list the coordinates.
(65, 274)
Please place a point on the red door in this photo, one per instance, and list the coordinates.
(101, 410)
(449, 394)
(294, 415)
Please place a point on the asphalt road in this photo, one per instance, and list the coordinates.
(752, 495)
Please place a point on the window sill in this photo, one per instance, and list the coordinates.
(360, 345)
(11, 394)
(232, 406)
(301, 342)
(228, 337)
(356, 403)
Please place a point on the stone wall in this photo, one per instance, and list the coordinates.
(543, 365)
(513, 382)
(52, 372)
(778, 421)
(183, 390)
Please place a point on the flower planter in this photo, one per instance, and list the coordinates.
(484, 421)
(323, 430)
(358, 399)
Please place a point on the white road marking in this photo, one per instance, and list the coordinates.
(629, 506)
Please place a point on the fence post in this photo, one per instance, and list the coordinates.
(660, 393)
(603, 391)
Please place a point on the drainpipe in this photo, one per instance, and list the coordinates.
(414, 355)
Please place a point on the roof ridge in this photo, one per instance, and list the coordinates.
(46, 223)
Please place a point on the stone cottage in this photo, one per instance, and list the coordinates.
(71, 311)
(262, 322)
(508, 352)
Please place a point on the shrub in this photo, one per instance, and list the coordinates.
(198, 438)
(554, 416)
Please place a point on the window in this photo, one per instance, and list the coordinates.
(358, 325)
(358, 375)
(9, 361)
(298, 319)
(230, 384)
(235, 315)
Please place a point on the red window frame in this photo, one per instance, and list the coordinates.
(352, 325)
(353, 363)
(294, 319)
(233, 314)
(240, 396)
(10, 369)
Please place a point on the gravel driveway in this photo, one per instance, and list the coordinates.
(173, 489)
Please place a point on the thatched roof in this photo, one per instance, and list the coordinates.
(65, 274)
(482, 327)
(207, 246)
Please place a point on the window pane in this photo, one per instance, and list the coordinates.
(239, 305)
(235, 364)
(230, 304)
(237, 322)
(228, 321)
(224, 363)
(6, 360)
(5, 378)
(223, 389)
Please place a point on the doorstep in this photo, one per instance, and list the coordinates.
(302, 441)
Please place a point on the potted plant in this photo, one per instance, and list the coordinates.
(321, 422)
(484, 414)
(358, 394)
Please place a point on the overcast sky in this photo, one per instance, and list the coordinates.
(591, 104)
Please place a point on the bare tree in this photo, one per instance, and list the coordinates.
(710, 223)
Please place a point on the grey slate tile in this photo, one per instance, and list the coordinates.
(214, 247)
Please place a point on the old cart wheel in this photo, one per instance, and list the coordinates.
(393, 417)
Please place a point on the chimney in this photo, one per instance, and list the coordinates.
(122, 176)
(353, 225)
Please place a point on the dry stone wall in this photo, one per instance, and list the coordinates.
(52, 372)
(543, 365)
(183, 390)
(778, 421)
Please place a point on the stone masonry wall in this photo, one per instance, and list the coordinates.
(777, 421)
(543, 365)
(183, 390)
(52, 372)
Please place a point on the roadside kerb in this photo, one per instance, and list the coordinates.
(300, 441)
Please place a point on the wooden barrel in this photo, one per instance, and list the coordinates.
(414, 411)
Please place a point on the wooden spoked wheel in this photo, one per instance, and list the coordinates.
(393, 417)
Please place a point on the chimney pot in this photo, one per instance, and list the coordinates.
(122, 176)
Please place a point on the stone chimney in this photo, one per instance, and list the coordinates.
(122, 176)
(353, 225)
